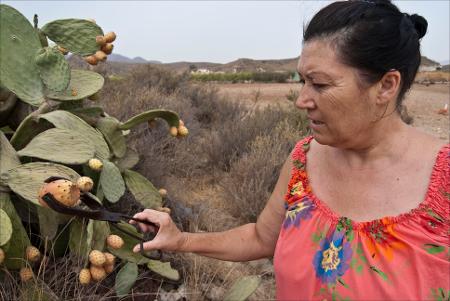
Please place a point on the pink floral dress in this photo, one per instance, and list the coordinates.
(323, 256)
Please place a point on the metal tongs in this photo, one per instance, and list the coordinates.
(98, 212)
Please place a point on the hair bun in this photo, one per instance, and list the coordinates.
(420, 24)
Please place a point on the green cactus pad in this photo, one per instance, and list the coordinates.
(62, 146)
(142, 189)
(19, 44)
(16, 251)
(53, 69)
(112, 182)
(42, 37)
(100, 233)
(5, 228)
(243, 288)
(49, 220)
(27, 130)
(164, 269)
(169, 116)
(125, 279)
(128, 161)
(82, 84)
(109, 126)
(8, 157)
(91, 115)
(27, 179)
(76, 35)
(68, 121)
(7, 102)
(80, 241)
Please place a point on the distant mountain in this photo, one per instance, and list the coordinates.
(443, 63)
(446, 68)
(428, 62)
(115, 57)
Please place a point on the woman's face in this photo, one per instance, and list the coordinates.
(340, 111)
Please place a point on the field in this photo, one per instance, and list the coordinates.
(422, 102)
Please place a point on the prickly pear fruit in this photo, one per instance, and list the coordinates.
(92, 20)
(32, 253)
(107, 48)
(100, 40)
(95, 164)
(26, 274)
(100, 55)
(95, 96)
(109, 258)
(162, 192)
(91, 60)
(109, 268)
(164, 209)
(85, 184)
(97, 257)
(183, 131)
(2, 255)
(85, 276)
(64, 191)
(63, 50)
(181, 122)
(110, 37)
(114, 241)
(97, 272)
(173, 131)
(74, 92)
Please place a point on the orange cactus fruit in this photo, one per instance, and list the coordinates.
(85, 184)
(100, 55)
(97, 257)
(97, 272)
(2, 255)
(91, 60)
(64, 191)
(25, 274)
(95, 164)
(32, 253)
(109, 268)
(63, 50)
(173, 131)
(100, 40)
(85, 276)
(107, 48)
(109, 258)
(114, 241)
(162, 192)
(110, 37)
(181, 123)
(183, 131)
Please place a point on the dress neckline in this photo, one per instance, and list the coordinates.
(386, 220)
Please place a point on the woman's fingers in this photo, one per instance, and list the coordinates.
(147, 215)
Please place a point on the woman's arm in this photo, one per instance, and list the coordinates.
(247, 242)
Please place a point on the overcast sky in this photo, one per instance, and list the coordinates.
(219, 31)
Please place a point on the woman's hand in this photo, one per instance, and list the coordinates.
(168, 238)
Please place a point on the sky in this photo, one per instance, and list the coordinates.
(219, 31)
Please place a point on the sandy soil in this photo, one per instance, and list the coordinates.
(422, 102)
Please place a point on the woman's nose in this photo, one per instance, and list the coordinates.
(305, 99)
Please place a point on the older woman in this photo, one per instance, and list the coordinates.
(366, 212)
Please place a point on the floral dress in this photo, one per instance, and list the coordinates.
(323, 256)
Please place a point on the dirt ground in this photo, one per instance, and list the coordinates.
(422, 102)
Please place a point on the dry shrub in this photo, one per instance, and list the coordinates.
(432, 77)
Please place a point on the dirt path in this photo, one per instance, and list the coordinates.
(422, 102)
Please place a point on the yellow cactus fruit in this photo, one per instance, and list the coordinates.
(26, 274)
(181, 123)
(97, 257)
(91, 20)
(97, 272)
(32, 253)
(64, 191)
(164, 209)
(63, 50)
(114, 241)
(173, 131)
(2, 255)
(109, 268)
(183, 131)
(95, 164)
(85, 276)
(162, 192)
(107, 48)
(74, 92)
(91, 60)
(85, 184)
(100, 40)
(110, 37)
(100, 55)
(109, 258)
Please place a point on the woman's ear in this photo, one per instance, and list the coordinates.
(389, 87)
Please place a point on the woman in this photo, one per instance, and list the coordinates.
(366, 212)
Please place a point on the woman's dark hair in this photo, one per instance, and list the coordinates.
(372, 36)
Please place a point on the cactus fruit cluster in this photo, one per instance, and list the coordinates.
(65, 136)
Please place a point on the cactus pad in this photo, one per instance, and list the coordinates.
(80, 241)
(109, 126)
(5, 228)
(27, 179)
(91, 115)
(169, 116)
(164, 269)
(112, 182)
(100, 233)
(82, 84)
(27, 130)
(19, 44)
(76, 35)
(125, 279)
(53, 69)
(59, 145)
(128, 161)
(8, 156)
(243, 288)
(142, 189)
(49, 221)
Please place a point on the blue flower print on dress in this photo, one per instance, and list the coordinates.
(298, 211)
